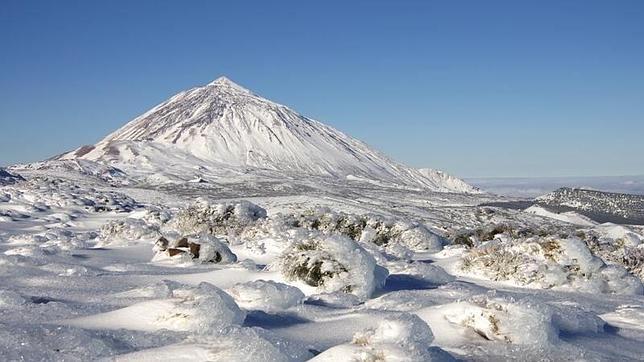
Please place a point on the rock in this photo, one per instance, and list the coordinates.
(182, 243)
(194, 249)
(174, 251)
(203, 248)
(162, 244)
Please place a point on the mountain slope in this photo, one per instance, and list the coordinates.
(7, 178)
(598, 205)
(225, 127)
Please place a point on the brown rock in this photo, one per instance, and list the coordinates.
(182, 243)
(194, 249)
(175, 251)
(162, 243)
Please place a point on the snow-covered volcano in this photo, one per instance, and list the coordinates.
(223, 126)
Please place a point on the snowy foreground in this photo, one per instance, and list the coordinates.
(91, 271)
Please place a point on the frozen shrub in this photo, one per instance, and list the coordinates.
(215, 308)
(496, 319)
(331, 263)
(400, 337)
(152, 216)
(126, 230)
(206, 308)
(217, 219)
(368, 228)
(617, 244)
(266, 295)
(548, 263)
(633, 261)
(570, 318)
(40, 194)
(463, 239)
(55, 238)
(474, 237)
(405, 330)
(491, 231)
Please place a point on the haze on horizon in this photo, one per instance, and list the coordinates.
(475, 89)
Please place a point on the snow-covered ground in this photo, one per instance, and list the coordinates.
(221, 226)
(93, 268)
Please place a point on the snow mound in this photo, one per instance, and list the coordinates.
(27, 342)
(331, 263)
(548, 263)
(420, 271)
(232, 344)
(569, 216)
(266, 295)
(491, 319)
(203, 309)
(626, 316)
(404, 337)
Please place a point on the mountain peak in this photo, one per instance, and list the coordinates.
(225, 82)
(223, 125)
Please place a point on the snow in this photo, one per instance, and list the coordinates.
(266, 295)
(200, 309)
(285, 253)
(491, 319)
(84, 280)
(570, 216)
(548, 263)
(225, 126)
(404, 337)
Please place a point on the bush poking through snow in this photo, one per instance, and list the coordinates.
(404, 337)
(126, 230)
(55, 238)
(495, 319)
(616, 244)
(368, 228)
(405, 330)
(203, 249)
(549, 263)
(217, 219)
(470, 238)
(332, 263)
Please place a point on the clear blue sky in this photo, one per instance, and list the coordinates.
(477, 88)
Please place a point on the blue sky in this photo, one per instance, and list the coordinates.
(477, 88)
